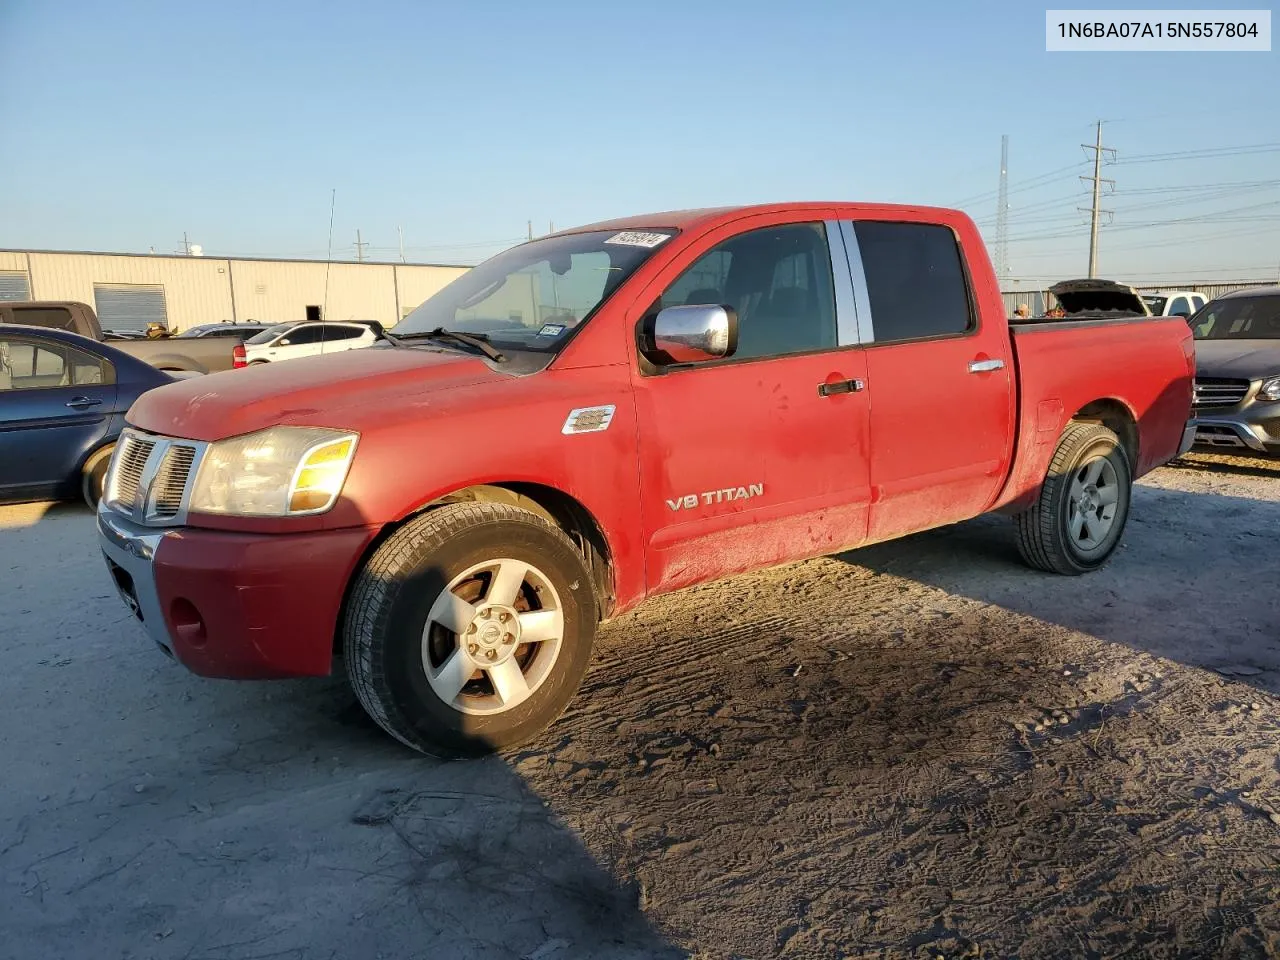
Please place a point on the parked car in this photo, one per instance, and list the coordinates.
(1237, 388)
(239, 331)
(1174, 303)
(62, 403)
(168, 353)
(288, 341)
(712, 392)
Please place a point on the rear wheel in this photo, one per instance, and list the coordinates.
(469, 629)
(1078, 520)
(93, 475)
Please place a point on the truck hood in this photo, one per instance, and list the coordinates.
(1238, 359)
(1098, 297)
(347, 390)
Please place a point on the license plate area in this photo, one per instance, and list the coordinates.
(124, 584)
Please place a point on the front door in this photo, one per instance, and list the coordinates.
(942, 416)
(760, 458)
(54, 410)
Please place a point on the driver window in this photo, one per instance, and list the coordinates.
(778, 279)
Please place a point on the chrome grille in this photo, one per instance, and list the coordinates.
(131, 460)
(171, 481)
(150, 475)
(1215, 392)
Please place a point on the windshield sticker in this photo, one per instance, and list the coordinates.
(635, 238)
(551, 330)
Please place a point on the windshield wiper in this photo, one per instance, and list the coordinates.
(476, 341)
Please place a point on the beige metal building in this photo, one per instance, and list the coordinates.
(128, 291)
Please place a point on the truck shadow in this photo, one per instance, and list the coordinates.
(246, 820)
(1199, 589)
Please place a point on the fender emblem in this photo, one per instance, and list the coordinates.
(588, 419)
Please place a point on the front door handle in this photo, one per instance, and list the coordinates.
(79, 403)
(985, 366)
(840, 386)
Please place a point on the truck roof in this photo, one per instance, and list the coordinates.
(1252, 292)
(707, 216)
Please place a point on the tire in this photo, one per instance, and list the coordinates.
(399, 626)
(1057, 534)
(93, 475)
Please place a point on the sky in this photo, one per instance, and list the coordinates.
(128, 124)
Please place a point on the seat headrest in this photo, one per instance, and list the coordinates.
(703, 296)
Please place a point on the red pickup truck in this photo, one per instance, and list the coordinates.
(607, 414)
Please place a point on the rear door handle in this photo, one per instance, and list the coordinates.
(840, 386)
(985, 366)
(79, 403)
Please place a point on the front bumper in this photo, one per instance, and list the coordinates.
(1235, 433)
(243, 606)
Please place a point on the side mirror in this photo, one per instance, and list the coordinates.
(693, 333)
(284, 343)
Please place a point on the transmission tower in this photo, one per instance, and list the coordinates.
(1002, 214)
(1095, 211)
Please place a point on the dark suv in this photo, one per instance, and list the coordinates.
(1237, 391)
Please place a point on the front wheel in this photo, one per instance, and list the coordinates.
(93, 475)
(469, 629)
(1077, 522)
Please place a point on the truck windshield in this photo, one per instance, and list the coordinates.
(533, 296)
(1241, 318)
(1155, 305)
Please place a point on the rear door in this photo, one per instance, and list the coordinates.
(762, 457)
(941, 381)
(55, 406)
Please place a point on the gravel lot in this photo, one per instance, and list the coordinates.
(920, 749)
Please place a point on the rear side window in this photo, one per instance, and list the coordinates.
(59, 318)
(915, 280)
(31, 365)
(334, 332)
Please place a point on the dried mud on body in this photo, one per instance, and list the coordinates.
(919, 749)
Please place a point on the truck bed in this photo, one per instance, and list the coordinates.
(1064, 366)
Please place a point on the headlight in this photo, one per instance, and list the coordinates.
(1270, 389)
(278, 472)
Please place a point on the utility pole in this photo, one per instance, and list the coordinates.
(400, 230)
(530, 229)
(1002, 214)
(360, 245)
(1096, 210)
(551, 226)
(186, 244)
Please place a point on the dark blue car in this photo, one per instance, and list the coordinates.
(63, 398)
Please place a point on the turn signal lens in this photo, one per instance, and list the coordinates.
(320, 476)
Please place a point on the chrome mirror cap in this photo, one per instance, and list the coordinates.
(695, 333)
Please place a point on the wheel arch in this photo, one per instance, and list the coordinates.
(1117, 417)
(551, 504)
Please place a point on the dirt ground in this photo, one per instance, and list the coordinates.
(921, 749)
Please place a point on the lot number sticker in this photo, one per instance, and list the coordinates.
(634, 238)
